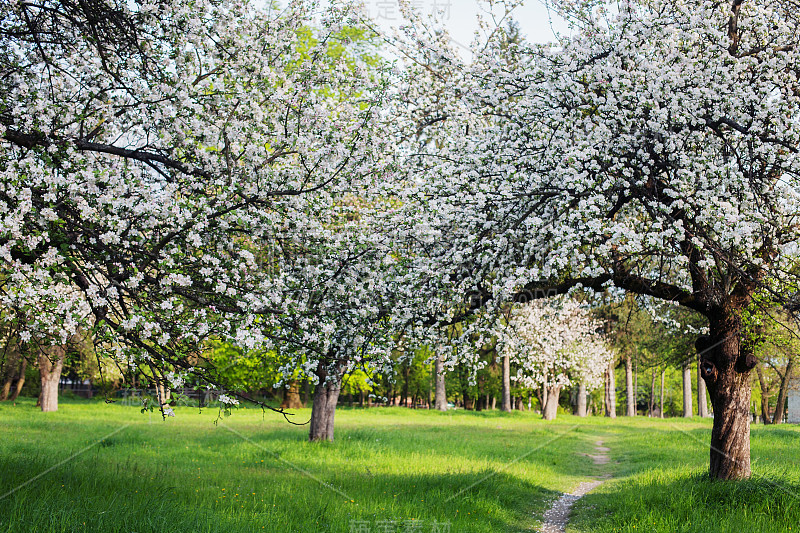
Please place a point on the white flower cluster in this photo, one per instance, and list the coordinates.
(226, 400)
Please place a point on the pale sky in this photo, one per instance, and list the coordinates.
(459, 17)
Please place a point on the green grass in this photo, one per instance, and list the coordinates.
(254, 472)
(661, 482)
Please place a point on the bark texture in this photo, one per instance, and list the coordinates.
(629, 392)
(551, 403)
(51, 362)
(441, 392)
(20, 380)
(291, 399)
(765, 394)
(6, 388)
(581, 400)
(651, 412)
(15, 366)
(611, 392)
(687, 391)
(725, 367)
(780, 404)
(702, 403)
(323, 409)
(505, 404)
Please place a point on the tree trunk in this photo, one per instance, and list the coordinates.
(629, 393)
(702, 404)
(441, 394)
(494, 402)
(291, 398)
(652, 407)
(15, 369)
(505, 404)
(520, 403)
(20, 381)
(406, 374)
(611, 392)
(726, 369)
(687, 390)
(780, 405)
(6, 387)
(326, 395)
(551, 403)
(581, 400)
(635, 386)
(765, 416)
(163, 394)
(51, 362)
(661, 403)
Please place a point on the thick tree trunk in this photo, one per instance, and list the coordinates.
(551, 403)
(765, 415)
(505, 404)
(661, 403)
(702, 404)
(51, 362)
(687, 390)
(780, 404)
(441, 393)
(291, 397)
(611, 392)
(726, 368)
(630, 395)
(323, 409)
(581, 400)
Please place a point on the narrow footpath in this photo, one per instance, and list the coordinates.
(556, 518)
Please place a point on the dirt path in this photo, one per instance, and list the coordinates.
(555, 518)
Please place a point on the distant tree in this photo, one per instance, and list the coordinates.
(555, 343)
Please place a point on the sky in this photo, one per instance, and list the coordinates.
(459, 17)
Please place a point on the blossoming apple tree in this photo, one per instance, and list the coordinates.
(188, 170)
(555, 343)
(654, 149)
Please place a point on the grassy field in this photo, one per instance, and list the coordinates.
(660, 482)
(477, 472)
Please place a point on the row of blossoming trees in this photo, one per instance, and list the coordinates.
(176, 172)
